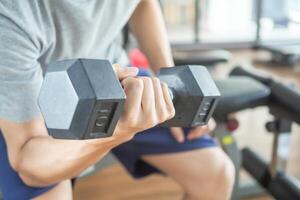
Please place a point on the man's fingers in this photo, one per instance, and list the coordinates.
(202, 130)
(160, 104)
(168, 100)
(124, 72)
(178, 134)
(148, 99)
(198, 132)
(133, 88)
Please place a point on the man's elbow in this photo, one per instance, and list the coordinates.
(29, 181)
(30, 176)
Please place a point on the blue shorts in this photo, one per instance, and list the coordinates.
(157, 140)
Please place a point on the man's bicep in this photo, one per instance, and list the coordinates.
(16, 135)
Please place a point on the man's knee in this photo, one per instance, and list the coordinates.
(220, 170)
(216, 181)
(226, 175)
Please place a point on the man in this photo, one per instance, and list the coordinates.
(36, 166)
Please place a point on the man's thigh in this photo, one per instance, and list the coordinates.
(156, 141)
(189, 166)
(203, 174)
(61, 191)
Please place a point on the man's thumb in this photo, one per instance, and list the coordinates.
(124, 72)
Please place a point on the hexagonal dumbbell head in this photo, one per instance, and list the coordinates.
(81, 99)
(195, 94)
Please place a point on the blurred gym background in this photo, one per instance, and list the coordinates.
(232, 22)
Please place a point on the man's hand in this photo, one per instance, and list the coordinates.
(194, 133)
(147, 104)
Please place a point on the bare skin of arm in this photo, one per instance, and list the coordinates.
(41, 160)
(148, 27)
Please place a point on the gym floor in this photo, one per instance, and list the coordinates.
(114, 183)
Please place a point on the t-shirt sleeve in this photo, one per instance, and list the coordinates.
(20, 73)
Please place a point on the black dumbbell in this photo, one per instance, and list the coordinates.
(83, 99)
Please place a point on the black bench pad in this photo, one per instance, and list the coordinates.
(201, 57)
(238, 93)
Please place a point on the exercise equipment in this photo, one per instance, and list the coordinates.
(194, 95)
(82, 98)
(77, 96)
(282, 102)
(283, 53)
(237, 93)
(283, 97)
(212, 57)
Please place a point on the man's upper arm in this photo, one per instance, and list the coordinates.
(20, 73)
(20, 81)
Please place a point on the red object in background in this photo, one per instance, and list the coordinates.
(138, 59)
(232, 124)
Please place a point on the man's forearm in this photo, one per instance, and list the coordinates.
(44, 161)
(148, 27)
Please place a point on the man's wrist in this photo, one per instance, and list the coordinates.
(166, 63)
(110, 142)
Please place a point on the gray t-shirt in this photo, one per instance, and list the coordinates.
(34, 33)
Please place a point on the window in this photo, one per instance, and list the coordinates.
(218, 21)
(231, 20)
(280, 20)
